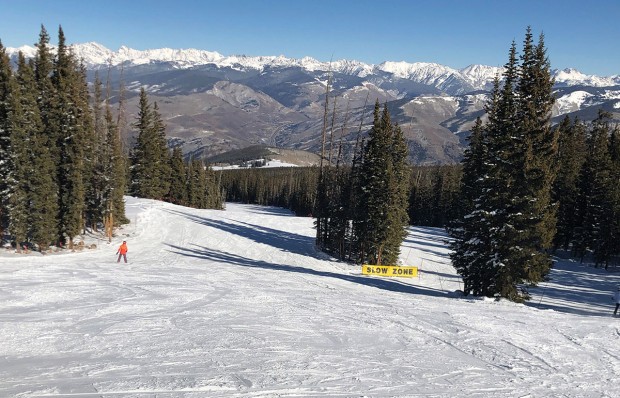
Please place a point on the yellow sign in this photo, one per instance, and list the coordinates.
(389, 270)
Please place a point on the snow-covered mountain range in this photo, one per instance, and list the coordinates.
(214, 102)
(94, 55)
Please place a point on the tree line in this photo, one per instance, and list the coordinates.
(587, 189)
(60, 156)
(63, 166)
(433, 190)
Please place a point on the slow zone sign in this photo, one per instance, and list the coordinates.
(388, 270)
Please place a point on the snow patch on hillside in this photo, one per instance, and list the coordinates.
(572, 102)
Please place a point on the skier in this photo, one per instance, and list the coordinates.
(616, 298)
(122, 252)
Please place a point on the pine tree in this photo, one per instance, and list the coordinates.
(6, 75)
(18, 186)
(503, 243)
(118, 169)
(43, 204)
(214, 194)
(614, 192)
(470, 244)
(107, 187)
(596, 234)
(150, 170)
(536, 213)
(398, 217)
(571, 155)
(161, 178)
(197, 184)
(178, 190)
(97, 192)
(47, 101)
(73, 121)
(142, 157)
(499, 196)
(383, 216)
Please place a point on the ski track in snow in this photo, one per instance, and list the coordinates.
(238, 303)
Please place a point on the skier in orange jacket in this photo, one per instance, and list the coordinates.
(122, 252)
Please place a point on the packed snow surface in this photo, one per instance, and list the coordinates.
(238, 303)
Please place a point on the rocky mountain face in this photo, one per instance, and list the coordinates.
(213, 103)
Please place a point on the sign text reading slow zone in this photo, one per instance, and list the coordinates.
(385, 270)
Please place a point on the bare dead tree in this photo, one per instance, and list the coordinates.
(331, 132)
(342, 131)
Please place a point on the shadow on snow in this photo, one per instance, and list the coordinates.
(576, 288)
(289, 242)
(229, 258)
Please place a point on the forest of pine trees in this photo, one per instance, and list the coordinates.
(63, 165)
(528, 188)
(60, 152)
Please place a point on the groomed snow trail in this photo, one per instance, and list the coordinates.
(238, 303)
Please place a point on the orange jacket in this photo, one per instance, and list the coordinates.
(123, 249)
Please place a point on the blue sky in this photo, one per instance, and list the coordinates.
(580, 34)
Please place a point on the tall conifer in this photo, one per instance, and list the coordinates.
(20, 127)
(503, 243)
(142, 170)
(380, 227)
(73, 123)
(571, 155)
(178, 191)
(6, 74)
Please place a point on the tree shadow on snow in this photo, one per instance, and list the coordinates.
(270, 210)
(576, 288)
(285, 241)
(234, 259)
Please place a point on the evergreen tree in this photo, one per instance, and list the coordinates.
(571, 155)
(47, 99)
(614, 192)
(20, 126)
(596, 197)
(43, 203)
(150, 170)
(5, 136)
(73, 121)
(161, 177)
(143, 154)
(178, 190)
(499, 196)
(398, 186)
(97, 192)
(214, 195)
(105, 197)
(536, 215)
(197, 184)
(503, 243)
(118, 169)
(471, 244)
(383, 216)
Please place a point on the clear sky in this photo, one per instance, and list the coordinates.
(580, 34)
